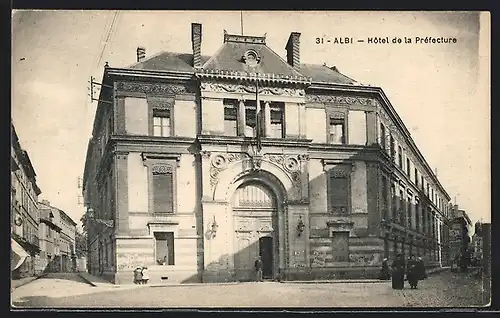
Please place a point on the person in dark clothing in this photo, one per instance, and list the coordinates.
(413, 274)
(258, 268)
(422, 274)
(385, 273)
(398, 272)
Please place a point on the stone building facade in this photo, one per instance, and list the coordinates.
(57, 239)
(24, 217)
(199, 164)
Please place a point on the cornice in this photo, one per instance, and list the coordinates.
(346, 88)
(246, 76)
(150, 74)
(272, 142)
(152, 139)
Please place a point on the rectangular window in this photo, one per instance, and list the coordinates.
(393, 149)
(163, 193)
(230, 118)
(408, 167)
(416, 177)
(409, 213)
(164, 246)
(340, 246)
(337, 131)
(417, 216)
(400, 157)
(250, 118)
(394, 208)
(384, 198)
(382, 136)
(402, 208)
(161, 123)
(422, 182)
(276, 122)
(339, 193)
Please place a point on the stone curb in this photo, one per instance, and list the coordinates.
(28, 281)
(343, 281)
(88, 281)
(340, 281)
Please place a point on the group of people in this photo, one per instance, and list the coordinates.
(141, 275)
(414, 269)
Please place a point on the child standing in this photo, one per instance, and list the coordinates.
(145, 275)
(138, 275)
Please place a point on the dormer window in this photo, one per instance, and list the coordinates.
(251, 58)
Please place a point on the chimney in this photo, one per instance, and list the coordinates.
(196, 40)
(293, 50)
(141, 53)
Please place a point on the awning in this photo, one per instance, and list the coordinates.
(18, 254)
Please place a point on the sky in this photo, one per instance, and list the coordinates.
(440, 91)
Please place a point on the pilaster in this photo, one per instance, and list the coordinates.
(121, 195)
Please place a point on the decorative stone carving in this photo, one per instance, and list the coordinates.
(291, 164)
(342, 100)
(161, 169)
(155, 88)
(205, 154)
(233, 157)
(337, 115)
(219, 162)
(256, 162)
(304, 157)
(249, 88)
(161, 103)
(275, 158)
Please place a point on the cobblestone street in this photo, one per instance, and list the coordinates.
(441, 290)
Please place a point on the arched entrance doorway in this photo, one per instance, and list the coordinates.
(255, 217)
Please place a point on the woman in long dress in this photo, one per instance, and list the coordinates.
(413, 272)
(398, 272)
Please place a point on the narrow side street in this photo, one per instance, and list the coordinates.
(440, 290)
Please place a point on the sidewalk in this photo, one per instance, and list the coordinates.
(95, 281)
(362, 281)
(100, 282)
(15, 283)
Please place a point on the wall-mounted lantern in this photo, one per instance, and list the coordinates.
(300, 226)
(214, 228)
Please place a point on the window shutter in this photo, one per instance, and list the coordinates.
(339, 193)
(162, 193)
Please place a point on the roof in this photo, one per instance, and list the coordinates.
(229, 58)
(168, 61)
(324, 74)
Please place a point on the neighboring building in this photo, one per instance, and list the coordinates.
(68, 243)
(24, 211)
(486, 234)
(460, 234)
(193, 173)
(57, 239)
(477, 242)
